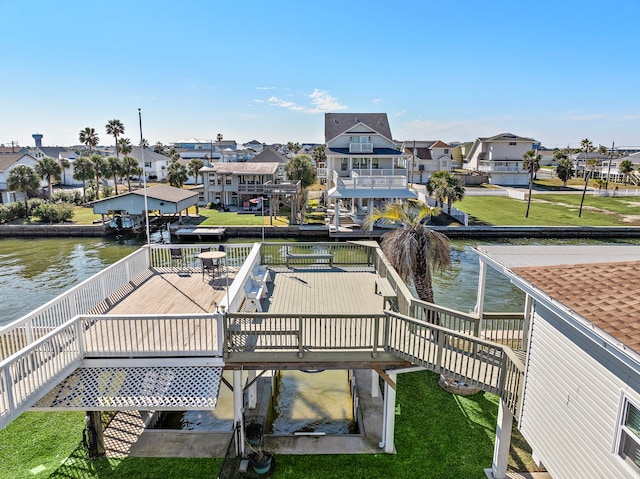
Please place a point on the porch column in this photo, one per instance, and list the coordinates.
(94, 434)
(389, 415)
(238, 408)
(336, 216)
(526, 324)
(503, 442)
(252, 393)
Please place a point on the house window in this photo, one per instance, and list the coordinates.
(344, 164)
(375, 163)
(446, 151)
(512, 143)
(629, 435)
(147, 164)
(227, 179)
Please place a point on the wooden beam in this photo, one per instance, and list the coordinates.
(385, 376)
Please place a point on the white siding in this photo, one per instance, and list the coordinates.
(571, 401)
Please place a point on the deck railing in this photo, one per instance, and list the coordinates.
(80, 299)
(187, 260)
(344, 254)
(26, 376)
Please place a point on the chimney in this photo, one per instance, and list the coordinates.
(38, 138)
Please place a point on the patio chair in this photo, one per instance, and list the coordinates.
(176, 256)
(210, 267)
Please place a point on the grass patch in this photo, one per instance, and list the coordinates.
(438, 435)
(547, 210)
(221, 218)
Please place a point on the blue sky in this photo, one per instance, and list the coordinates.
(557, 71)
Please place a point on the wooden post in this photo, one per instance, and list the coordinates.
(503, 441)
(94, 434)
(389, 419)
(238, 408)
(252, 399)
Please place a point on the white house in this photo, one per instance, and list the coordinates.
(427, 157)
(8, 162)
(500, 157)
(580, 409)
(364, 167)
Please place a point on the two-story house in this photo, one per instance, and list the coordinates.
(500, 157)
(427, 157)
(364, 167)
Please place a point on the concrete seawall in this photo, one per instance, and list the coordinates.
(53, 230)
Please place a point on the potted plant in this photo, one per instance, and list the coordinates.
(259, 459)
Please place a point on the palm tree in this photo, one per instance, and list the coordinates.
(83, 170)
(625, 167)
(414, 250)
(319, 154)
(590, 167)
(587, 146)
(49, 169)
(531, 162)
(444, 186)
(124, 146)
(100, 169)
(130, 167)
(23, 178)
(115, 167)
(177, 174)
(64, 164)
(300, 168)
(144, 143)
(564, 169)
(89, 137)
(194, 168)
(115, 128)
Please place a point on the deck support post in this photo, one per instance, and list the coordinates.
(252, 393)
(375, 384)
(238, 409)
(478, 310)
(503, 441)
(94, 434)
(389, 416)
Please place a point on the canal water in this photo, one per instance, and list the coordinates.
(35, 271)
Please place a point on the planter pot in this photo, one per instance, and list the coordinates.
(261, 463)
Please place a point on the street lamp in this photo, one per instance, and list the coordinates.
(223, 177)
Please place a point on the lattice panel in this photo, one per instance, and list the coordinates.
(137, 388)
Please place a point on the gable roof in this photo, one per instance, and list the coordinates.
(337, 123)
(504, 137)
(8, 159)
(243, 168)
(268, 155)
(56, 152)
(166, 193)
(439, 144)
(606, 294)
(149, 155)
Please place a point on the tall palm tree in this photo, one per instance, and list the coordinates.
(530, 162)
(49, 169)
(129, 167)
(83, 170)
(89, 137)
(124, 146)
(115, 128)
(590, 167)
(564, 169)
(64, 164)
(414, 249)
(100, 170)
(176, 174)
(586, 146)
(115, 167)
(144, 143)
(319, 154)
(23, 178)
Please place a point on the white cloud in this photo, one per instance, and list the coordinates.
(400, 113)
(376, 100)
(265, 88)
(321, 101)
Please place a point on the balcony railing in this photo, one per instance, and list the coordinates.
(360, 147)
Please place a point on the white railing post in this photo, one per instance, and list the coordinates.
(79, 337)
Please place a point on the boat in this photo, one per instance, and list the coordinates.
(122, 222)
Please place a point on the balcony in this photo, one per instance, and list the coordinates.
(360, 147)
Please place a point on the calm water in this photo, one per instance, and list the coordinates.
(34, 271)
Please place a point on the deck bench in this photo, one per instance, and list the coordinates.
(254, 292)
(261, 274)
(384, 289)
(309, 256)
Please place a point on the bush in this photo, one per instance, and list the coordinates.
(35, 203)
(12, 211)
(54, 213)
(72, 196)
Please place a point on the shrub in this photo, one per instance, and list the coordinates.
(13, 211)
(58, 213)
(71, 196)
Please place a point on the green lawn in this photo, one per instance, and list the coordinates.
(438, 435)
(549, 210)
